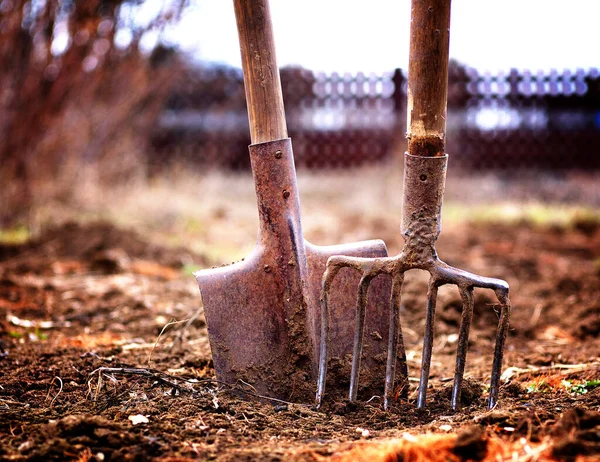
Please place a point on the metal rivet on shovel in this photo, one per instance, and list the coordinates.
(263, 313)
(424, 178)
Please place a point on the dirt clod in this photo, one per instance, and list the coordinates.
(471, 444)
(471, 393)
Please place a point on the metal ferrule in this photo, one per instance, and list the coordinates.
(276, 189)
(424, 180)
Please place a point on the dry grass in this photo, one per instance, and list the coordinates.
(214, 213)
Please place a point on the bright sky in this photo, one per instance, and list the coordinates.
(372, 35)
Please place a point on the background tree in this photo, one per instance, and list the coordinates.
(77, 89)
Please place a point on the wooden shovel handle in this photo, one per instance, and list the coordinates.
(428, 77)
(261, 74)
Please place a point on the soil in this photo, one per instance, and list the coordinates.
(91, 367)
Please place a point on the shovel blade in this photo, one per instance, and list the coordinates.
(263, 313)
(342, 314)
(247, 324)
(263, 322)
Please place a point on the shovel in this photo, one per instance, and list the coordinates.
(263, 313)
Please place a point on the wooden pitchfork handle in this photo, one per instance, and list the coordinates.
(261, 74)
(428, 77)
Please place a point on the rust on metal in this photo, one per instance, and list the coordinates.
(263, 312)
(426, 146)
(424, 180)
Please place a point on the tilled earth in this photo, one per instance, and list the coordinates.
(105, 356)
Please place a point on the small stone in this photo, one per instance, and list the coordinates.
(363, 432)
(138, 419)
(24, 446)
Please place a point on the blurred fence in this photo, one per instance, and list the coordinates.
(525, 120)
(510, 120)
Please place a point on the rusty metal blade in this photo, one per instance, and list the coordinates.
(263, 313)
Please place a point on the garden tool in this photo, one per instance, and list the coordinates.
(424, 177)
(263, 312)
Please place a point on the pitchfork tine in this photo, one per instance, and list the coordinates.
(328, 277)
(501, 333)
(427, 344)
(395, 337)
(463, 343)
(359, 330)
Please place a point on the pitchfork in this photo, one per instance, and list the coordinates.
(424, 178)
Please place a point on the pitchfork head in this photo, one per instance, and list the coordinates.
(424, 179)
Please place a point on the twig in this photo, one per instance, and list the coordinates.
(253, 393)
(190, 321)
(170, 323)
(59, 391)
(172, 382)
(6, 402)
(565, 369)
(156, 375)
(248, 385)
